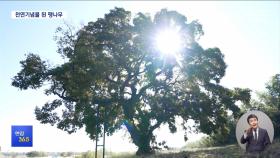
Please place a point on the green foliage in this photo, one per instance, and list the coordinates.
(87, 154)
(204, 142)
(36, 154)
(66, 154)
(114, 69)
(33, 73)
(225, 136)
(218, 138)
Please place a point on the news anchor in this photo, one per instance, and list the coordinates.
(257, 138)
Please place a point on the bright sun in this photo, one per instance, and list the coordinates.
(168, 41)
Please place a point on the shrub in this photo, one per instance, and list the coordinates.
(36, 154)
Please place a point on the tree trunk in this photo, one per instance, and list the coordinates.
(144, 147)
(142, 139)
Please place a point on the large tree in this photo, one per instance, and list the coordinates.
(114, 67)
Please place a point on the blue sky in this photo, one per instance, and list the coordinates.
(248, 33)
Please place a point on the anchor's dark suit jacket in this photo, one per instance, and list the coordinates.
(256, 145)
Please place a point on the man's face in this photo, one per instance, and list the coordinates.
(253, 122)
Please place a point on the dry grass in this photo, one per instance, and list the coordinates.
(229, 151)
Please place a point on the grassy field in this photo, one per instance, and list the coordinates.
(229, 151)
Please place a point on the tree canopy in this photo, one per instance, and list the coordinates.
(112, 66)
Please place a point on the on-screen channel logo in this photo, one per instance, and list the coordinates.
(22, 136)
